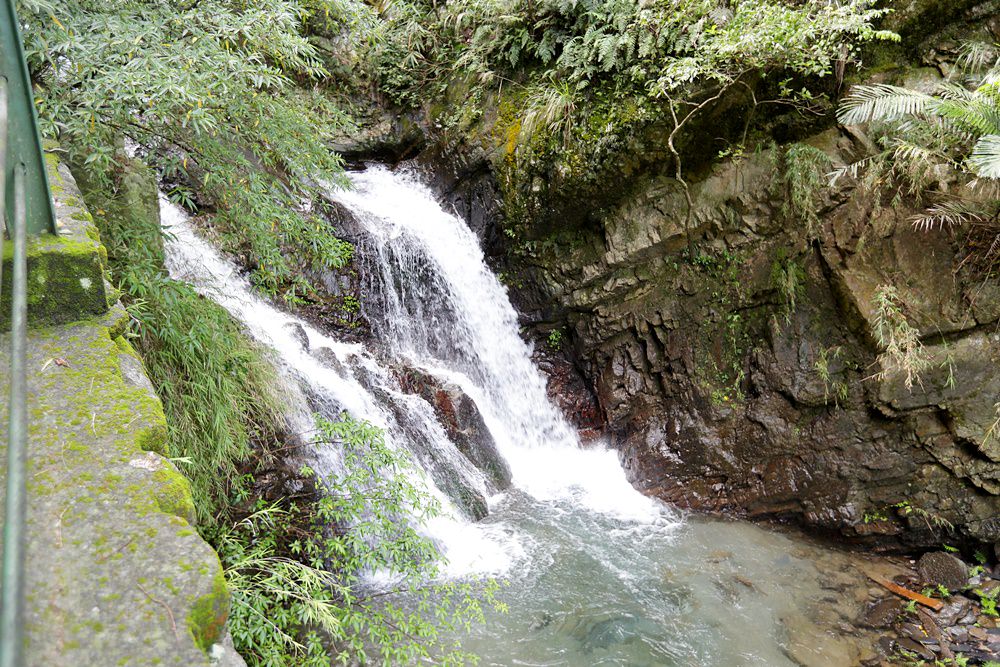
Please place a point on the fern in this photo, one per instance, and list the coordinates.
(948, 214)
(985, 157)
(882, 102)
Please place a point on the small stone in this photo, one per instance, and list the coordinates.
(916, 647)
(914, 632)
(958, 634)
(929, 625)
(938, 568)
(953, 611)
(987, 589)
(882, 614)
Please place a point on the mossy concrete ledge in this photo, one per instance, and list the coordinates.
(66, 270)
(116, 574)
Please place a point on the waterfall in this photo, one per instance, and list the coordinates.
(438, 308)
(597, 572)
(338, 377)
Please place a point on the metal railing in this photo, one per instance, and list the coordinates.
(29, 210)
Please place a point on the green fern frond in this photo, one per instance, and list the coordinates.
(949, 214)
(975, 115)
(978, 56)
(985, 156)
(882, 102)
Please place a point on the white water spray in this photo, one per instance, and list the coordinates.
(443, 310)
(439, 309)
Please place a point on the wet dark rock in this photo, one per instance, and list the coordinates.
(915, 632)
(958, 634)
(567, 388)
(916, 647)
(954, 610)
(298, 332)
(463, 422)
(605, 633)
(328, 358)
(883, 613)
(938, 568)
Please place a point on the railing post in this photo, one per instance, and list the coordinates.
(29, 210)
(24, 145)
(12, 569)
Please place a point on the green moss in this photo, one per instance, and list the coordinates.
(173, 494)
(209, 613)
(65, 280)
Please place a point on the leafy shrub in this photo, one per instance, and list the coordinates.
(927, 138)
(295, 571)
(219, 93)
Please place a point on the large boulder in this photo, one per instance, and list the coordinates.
(938, 568)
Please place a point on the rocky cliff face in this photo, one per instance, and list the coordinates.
(745, 377)
(734, 362)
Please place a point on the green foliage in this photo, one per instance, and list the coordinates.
(660, 44)
(802, 171)
(788, 278)
(555, 339)
(216, 385)
(637, 48)
(296, 572)
(906, 508)
(838, 388)
(902, 350)
(929, 138)
(988, 602)
(219, 93)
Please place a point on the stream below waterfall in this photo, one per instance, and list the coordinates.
(594, 572)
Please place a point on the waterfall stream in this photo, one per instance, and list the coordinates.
(597, 572)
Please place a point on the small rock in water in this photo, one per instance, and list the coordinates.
(882, 614)
(299, 334)
(543, 620)
(938, 568)
(328, 358)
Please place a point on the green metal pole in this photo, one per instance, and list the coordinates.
(3, 171)
(24, 142)
(12, 569)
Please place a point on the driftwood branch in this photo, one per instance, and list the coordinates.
(936, 605)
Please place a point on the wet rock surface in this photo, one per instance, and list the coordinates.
(461, 418)
(743, 378)
(938, 568)
(964, 627)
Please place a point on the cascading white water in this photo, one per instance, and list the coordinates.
(442, 309)
(354, 383)
(598, 573)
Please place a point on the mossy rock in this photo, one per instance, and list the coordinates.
(116, 573)
(65, 271)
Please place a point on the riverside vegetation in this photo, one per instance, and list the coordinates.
(235, 104)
